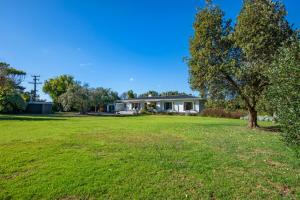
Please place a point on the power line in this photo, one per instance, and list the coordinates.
(35, 83)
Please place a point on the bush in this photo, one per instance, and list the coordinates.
(221, 112)
(284, 93)
(11, 101)
(144, 111)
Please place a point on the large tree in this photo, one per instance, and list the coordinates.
(128, 95)
(76, 97)
(11, 91)
(101, 96)
(235, 61)
(58, 86)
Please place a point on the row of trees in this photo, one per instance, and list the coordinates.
(70, 95)
(66, 93)
(256, 60)
(131, 95)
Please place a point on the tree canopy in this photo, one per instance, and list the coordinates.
(284, 91)
(234, 60)
(149, 93)
(128, 95)
(58, 85)
(77, 97)
(101, 96)
(11, 91)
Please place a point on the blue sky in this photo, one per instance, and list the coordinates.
(119, 44)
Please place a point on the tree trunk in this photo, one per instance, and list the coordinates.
(252, 121)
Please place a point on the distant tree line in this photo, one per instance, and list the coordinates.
(66, 93)
(151, 93)
(70, 95)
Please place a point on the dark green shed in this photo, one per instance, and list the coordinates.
(39, 108)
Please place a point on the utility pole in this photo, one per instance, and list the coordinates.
(35, 83)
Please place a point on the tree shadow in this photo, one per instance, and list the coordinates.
(276, 128)
(29, 118)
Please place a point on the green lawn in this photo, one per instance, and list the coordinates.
(143, 157)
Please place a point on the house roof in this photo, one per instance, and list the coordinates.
(157, 98)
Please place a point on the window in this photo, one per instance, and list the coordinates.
(168, 105)
(135, 106)
(188, 106)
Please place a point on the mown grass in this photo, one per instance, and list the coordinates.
(143, 157)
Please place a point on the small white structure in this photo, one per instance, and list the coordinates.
(175, 104)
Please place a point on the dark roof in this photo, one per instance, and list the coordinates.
(165, 97)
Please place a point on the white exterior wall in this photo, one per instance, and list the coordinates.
(197, 106)
(119, 107)
(158, 106)
(128, 106)
(177, 106)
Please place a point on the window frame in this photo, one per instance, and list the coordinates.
(185, 103)
(170, 103)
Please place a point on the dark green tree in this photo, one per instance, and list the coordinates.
(149, 93)
(128, 95)
(172, 93)
(101, 96)
(11, 91)
(131, 94)
(284, 92)
(235, 61)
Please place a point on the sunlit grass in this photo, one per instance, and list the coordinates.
(143, 157)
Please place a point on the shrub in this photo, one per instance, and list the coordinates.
(284, 92)
(221, 112)
(11, 101)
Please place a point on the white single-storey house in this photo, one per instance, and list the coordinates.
(175, 104)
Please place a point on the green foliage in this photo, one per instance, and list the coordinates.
(264, 106)
(172, 93)
(260, 30)
(101, 96)
(11, 101)
(167, 93)
(284, 93)
(128, 95)
(11, 92)
(234, 61)
(10, 77)
(209, 49)
(57, 86)
(227, 104)
(70, 95)
(77, 97)
(131, 94)
(26, 96)
(143, 157)
(221, 112)
(149, 93)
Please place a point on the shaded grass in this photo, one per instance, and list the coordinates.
(143, 157)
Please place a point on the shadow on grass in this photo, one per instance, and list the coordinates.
(270, 128)
(29, 118)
